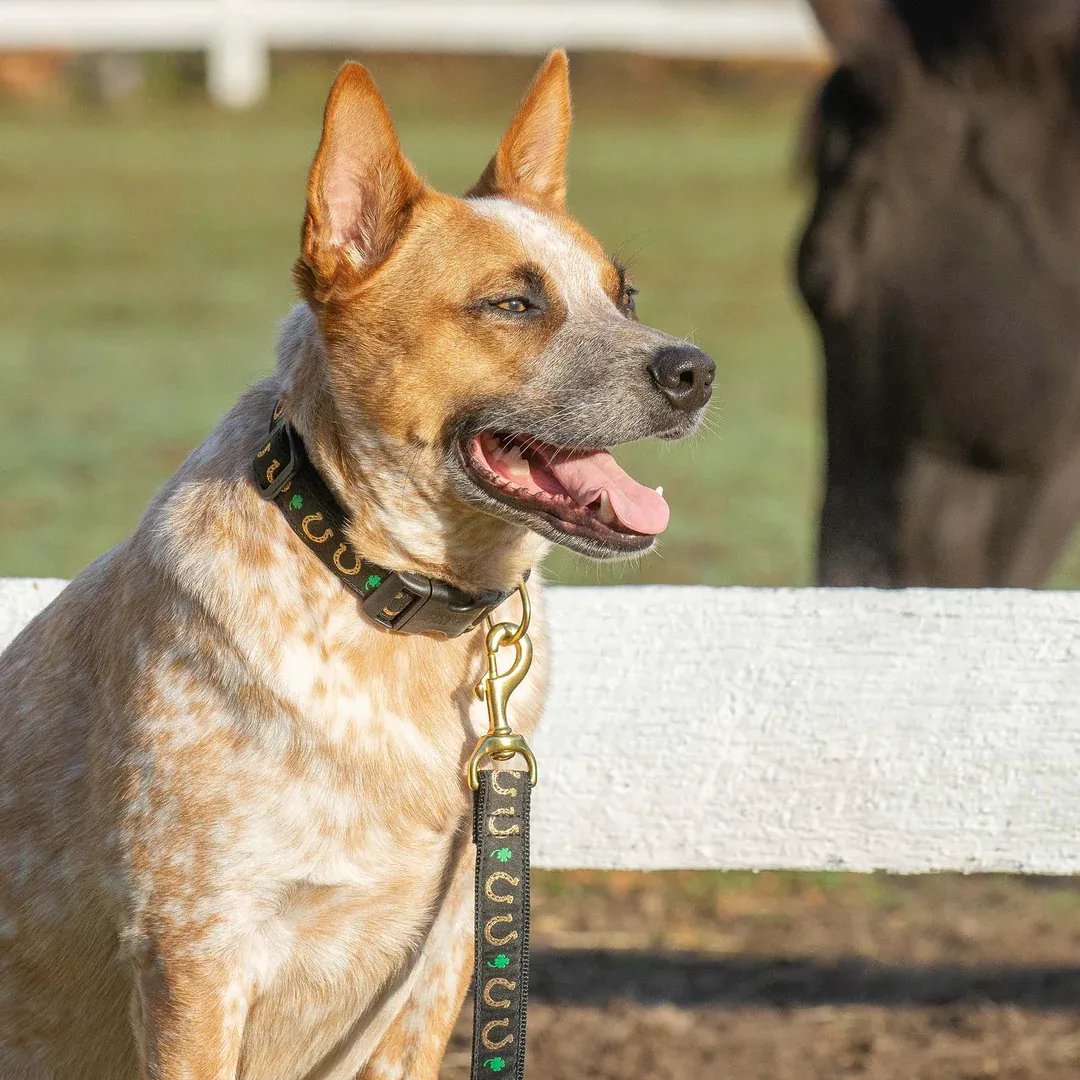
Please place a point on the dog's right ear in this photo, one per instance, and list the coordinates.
(361, 188)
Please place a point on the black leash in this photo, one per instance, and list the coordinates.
(501, 834)
(409, 602)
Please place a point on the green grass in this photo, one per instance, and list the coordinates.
(144, 266)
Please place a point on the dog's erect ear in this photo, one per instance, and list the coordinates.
(530, 163)
(361, 188)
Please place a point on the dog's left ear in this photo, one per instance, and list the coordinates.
(530, 163)
(361, 188)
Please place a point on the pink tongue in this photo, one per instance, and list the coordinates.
(585, 476)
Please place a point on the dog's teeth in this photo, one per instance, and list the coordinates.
(516, 465)
(605, 513)
(660, 490)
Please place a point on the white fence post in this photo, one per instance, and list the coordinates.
(238, 61)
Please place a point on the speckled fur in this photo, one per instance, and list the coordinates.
(233, 822)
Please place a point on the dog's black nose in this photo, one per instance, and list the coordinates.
(685, 375)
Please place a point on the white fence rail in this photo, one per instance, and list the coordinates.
(239, 34)
(749, 728)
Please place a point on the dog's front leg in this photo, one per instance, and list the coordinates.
(189, 1013)
(413, 1046)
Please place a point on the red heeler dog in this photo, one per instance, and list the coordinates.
(233, 819)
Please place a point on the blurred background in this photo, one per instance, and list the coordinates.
(151, 191)
(147, 243)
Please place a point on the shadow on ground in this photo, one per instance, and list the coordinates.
(597, 977)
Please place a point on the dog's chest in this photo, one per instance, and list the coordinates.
(322, 810)
(366, 767)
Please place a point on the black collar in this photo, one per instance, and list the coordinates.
(395, 599)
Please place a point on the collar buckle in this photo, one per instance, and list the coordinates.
(403, 601)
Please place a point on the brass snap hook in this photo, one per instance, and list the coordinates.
(501, 743)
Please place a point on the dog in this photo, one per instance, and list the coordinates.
(233, 814)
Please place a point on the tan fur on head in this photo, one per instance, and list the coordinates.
(397, 350)
(382, 357)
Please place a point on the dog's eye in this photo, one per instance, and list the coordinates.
(516, 305)
(628, 298)
(521, 307)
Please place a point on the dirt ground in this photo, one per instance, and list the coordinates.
(784, 976)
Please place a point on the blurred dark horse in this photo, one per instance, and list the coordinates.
(942, 264)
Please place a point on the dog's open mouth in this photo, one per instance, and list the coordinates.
(581, 494)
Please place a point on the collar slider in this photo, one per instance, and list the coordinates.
(269, 480)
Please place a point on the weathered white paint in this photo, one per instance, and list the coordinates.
(239, 33)
(21, 599)
(840, 729)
